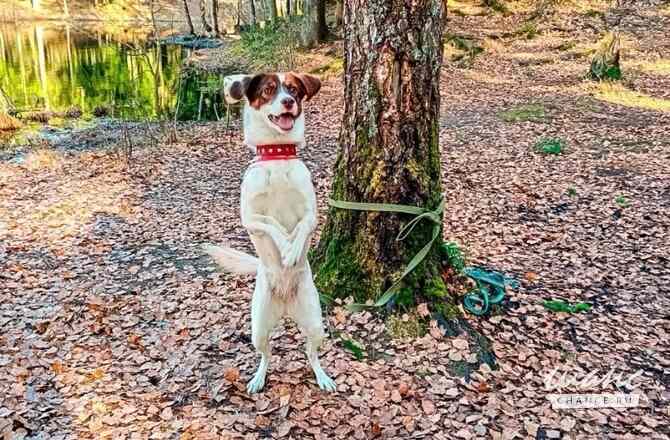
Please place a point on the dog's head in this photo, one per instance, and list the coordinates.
(273, 104)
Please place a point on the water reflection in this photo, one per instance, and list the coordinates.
(57, 66)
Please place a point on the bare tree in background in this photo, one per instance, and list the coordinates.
(271, 9)
(323, 27)
(339, 13)
(215, 17)
(253, 12)
(189, 22)
(203, 16)
(314, 28)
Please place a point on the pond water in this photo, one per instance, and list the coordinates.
(117, 71)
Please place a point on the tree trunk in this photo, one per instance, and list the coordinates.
(323, 26)
(253, 12)
(389, 153)
(288, 8)
(189, 22)
(215, 17)
(339, 12)
(203, 16)
(271, 10)
(309, 35)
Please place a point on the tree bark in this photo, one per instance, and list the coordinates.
(271, 10)
(323, 26)
(203, 16)
(288, 8)
(252, 12)
(189, 22)
(339, 12)
(389, 152)
(215, 17)
(309, 35)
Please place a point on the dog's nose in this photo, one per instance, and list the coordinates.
(288, 102)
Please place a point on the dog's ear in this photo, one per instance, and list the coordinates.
(252, 89)
(235, 87)
(311, 84)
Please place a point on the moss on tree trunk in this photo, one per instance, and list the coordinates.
(389, 152)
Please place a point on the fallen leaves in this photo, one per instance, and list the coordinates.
(57, 367)
(231, 374)
(460, 344)
(166, 414)
(123, 305)
(94, 375)
(428, 407)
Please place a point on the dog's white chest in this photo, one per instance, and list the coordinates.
(279, 191)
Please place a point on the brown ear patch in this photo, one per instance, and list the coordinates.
(238, 88)
(262, 89)
(310, 84)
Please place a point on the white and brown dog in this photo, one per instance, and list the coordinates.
(278, 209)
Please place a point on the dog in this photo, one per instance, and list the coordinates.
(278, 209)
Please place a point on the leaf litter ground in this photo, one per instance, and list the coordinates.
(114, 325)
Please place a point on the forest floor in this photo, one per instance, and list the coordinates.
(114, 325)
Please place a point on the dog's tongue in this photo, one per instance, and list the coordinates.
(285, 122)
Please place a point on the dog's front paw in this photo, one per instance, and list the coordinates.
(325, 382)
(256, 383)
(292, 254)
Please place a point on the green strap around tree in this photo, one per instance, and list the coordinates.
(435, 216)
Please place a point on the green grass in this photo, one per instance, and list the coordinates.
(567, 45)
(354, 347)
(593, 13)
(462, 48)
(559, 305)
(622, 201)
(553, 146)
(335, 67)
(659, 67)
(618, 94)
(533, 112)
(497, 6)
(454, 255)
(572, 191)
(270, 46)
(528, 30)
(411, 326)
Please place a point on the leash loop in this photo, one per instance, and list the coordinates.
(435, 216)
(479, 300)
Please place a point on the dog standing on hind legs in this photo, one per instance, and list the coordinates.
(278, 209)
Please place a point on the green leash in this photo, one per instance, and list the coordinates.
(490, 284)
(435, 216)
(490, 289)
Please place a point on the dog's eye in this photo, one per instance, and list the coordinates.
(292, 90)
(268, 90)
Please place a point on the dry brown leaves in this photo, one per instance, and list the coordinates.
(114, 325)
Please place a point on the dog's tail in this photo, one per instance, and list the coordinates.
(233, 261)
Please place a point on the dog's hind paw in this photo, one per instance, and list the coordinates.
(256, 383)
(325, 382)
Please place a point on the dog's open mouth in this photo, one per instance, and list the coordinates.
(284, 121)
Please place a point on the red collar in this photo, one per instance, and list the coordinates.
(276, 152)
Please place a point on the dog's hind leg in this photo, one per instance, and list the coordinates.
(314, 338)
(306, 312)
(263, 319)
